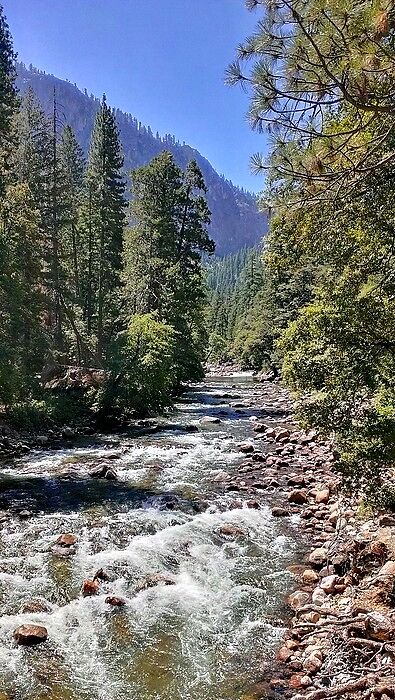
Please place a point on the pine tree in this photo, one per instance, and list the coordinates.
(8, 100)
(163, 252)
(104, 216)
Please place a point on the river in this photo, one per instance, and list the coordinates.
(205, 637)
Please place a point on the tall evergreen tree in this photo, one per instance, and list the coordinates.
(104, 216)
(8, 100)
(163, 252)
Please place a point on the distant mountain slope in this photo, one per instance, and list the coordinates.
(236, 221)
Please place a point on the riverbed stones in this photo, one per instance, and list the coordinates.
(153, 580)
(298, 599)
(209, 420)
(103, 471)
(322, 496)
(310, 577)
(66, 540)
(90, 587)
(29, 635)
(318, 556)
(297, 496)
(246, 447)
(232, 531)
(278, 512)
(379, 627)
(115, 601)
(35, 606)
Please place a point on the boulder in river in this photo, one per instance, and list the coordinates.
(68, 432)
(115, 601)
(232, 531)
(246, 447)
(66, 540)
(103, 471)
(278, 512)
(154, 580)
(28, 635)
(90, 587)
(209, 420)
(35, 606)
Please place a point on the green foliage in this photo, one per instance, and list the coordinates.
(163, 272)
(144, 368)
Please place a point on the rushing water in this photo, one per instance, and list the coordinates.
(204, 637)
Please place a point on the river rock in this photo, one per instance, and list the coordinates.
(35, 606)
(103, 471)
(312, 664)
(28, 635)
(246, 447)
(154, 580)
(284, 654)
(209, 420)
(328, 583)
(379, 627)
(298, 497)
(278, 512)
(318, 596)
(68, 432)
(318, 556)
(322, 496)
(90, 587)
(260, 428)
(115, 601)
(66, 540)
(58, 551)
(42, 439)
(232, 531)
(282, 435)
(101, 575)
(310, 577)
(298, 599)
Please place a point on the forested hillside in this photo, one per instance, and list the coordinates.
(235, 220)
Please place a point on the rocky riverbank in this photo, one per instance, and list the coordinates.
(341, 638)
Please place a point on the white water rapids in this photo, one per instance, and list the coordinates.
(204, 637)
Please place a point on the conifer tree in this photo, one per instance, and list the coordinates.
(103, 218)
(8, 100)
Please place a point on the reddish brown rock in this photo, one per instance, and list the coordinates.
(66, 540)
(90, 587)
(231, 531)
(298, 599)
(253, 504)
(28, 635)
(309, 576)
(298, 497)
(115, 601)
(284, 654)
(379, 627)
(318, 556)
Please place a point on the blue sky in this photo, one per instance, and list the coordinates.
(162, 60)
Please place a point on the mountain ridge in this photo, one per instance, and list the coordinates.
(236, 221)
